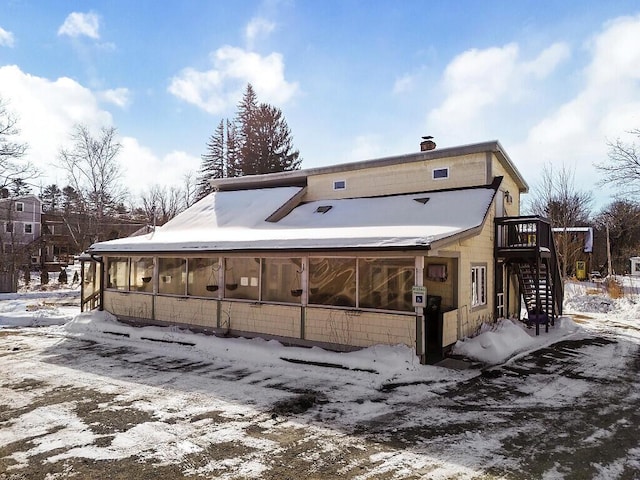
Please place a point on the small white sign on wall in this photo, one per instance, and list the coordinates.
(419, 296)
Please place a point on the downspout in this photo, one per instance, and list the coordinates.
(102, 273)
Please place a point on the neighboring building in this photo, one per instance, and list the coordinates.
(20, 218)
(341, 256)
(575, 247)
(635, 266)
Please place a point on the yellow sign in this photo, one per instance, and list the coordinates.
(581, 270)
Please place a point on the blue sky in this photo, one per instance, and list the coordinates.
(552, 81)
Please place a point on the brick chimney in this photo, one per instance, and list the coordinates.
(427, 143)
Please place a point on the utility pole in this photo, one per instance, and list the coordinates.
(609, 271)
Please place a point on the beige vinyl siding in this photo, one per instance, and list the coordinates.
(359, 329)
(186, 311)
(279, 320)
(464, 171)
(133, 305)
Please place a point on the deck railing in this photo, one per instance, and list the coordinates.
(531, 236)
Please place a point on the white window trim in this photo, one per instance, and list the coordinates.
(478, 285)
(25, 228)
(433, 173)
(21, 204)
(343, 182)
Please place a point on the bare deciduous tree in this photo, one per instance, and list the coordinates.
(161, 204)
(623, 165)
(93, 169)
(12, 169)
(94, 172)
(557, 198)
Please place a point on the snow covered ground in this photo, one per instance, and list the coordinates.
(84, 395)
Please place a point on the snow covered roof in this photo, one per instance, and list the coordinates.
(237, 220)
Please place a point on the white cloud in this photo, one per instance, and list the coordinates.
(607, 105)
(80, 24)
(364, 147)
(6, 38)
(221, 87)
(404, 84)
(478, 84)
(167, 170)
(118, 96)
(548, 60)
(47, 112)
(258, 28)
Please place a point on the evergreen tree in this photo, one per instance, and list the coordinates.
(213, 162)
(71, 200)
(19, 188)
(258, 141)
(274, 144)
(248, 132)
(51, 198)
(233, 161)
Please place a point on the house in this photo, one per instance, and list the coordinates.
(20, 218)
(416, 249)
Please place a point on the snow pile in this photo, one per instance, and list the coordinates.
(495, 343)
(37, 309)
(590, 303)
(506, 338)
(381, 359)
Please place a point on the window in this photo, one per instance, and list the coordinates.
(242, 278)
(141, 274)
(203, 278)
(478, 285)
(118, 273)
(8, 227)
(386, 283)
(28, 228)
(339, 184)
(19, 207)
(172, 276)
(332, 281)
(282, 280)
(440, 173)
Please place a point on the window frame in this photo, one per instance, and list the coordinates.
(478, 285)
(440, 169)
(336, 184)
(19, 206)
(30, 225)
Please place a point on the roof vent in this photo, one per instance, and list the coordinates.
(422, 200)
(323, 208)
(427, 143)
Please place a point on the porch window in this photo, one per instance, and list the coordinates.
(118, 273)
(172, 276)
(202, 280)
(282, 280)
(332, 281)
(242, 278)
(141, 274)
(478, 285)
(385, 283)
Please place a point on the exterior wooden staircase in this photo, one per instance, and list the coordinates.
(526, 247)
